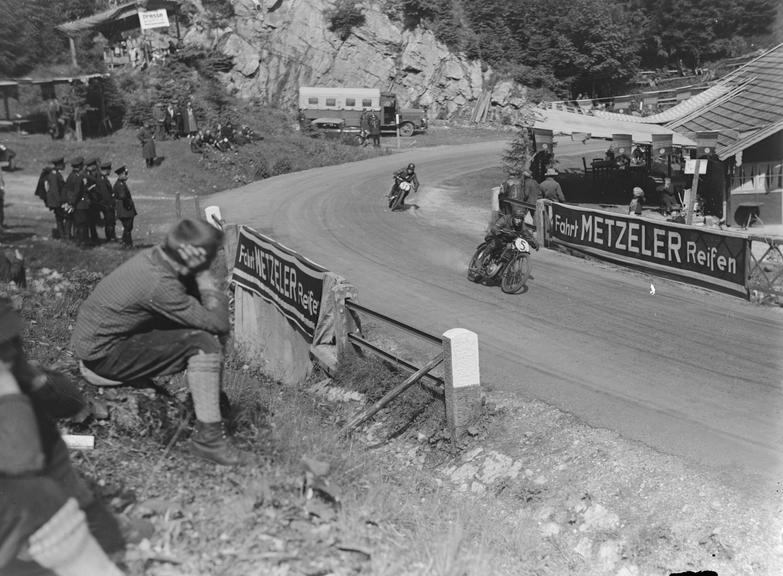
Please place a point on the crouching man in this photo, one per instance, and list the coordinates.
(50, 522)
(160, 313)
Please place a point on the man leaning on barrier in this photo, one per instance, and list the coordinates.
(160, 313)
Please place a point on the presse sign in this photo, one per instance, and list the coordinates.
(280, 276)
(712, 257)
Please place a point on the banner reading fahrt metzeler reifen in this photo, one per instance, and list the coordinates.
(711, 257)
(282, 277)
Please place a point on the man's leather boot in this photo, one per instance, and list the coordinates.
(210, 442)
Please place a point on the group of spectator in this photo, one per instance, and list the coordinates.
(86, 198)
(524, 187)
(370, 126)
(175, 121)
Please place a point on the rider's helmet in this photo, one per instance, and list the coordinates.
(517, 220)
(411, 168)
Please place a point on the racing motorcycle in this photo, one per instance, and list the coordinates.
(401, 185)
(511, 268)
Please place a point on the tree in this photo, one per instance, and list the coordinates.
(516, 158)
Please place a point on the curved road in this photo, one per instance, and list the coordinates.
(687, 372)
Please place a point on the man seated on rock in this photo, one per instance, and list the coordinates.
(160, 313)
(50, 522)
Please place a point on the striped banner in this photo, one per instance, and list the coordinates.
(713, 258)
(292, 283)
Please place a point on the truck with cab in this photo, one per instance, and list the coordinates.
(319, 104)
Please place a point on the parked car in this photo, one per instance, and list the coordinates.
(333, 129)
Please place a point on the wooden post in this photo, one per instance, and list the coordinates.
(690, 195)
(462, 380)
(178, 206)
(344, 323)
(397, 120)
(364, 415)
(72, 44)
(197, 202)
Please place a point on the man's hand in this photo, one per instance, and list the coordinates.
(205, 280)
(192, 256)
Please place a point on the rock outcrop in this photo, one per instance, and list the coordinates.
(278, 45)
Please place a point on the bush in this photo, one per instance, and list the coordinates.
(345, 15)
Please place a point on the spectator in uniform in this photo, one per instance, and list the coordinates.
(124, 206)
(107, 202)
(94, 209)
(56, 197)
(75, 193)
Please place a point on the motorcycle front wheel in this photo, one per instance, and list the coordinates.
(395, 198)
(516, 274)
(476, 264)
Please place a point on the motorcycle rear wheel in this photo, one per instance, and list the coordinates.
(516, 274)
(476, 264)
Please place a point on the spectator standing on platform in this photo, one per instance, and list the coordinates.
(125, 208)
(667, 196)
(635, 207)
(550, 188)
(146, 136)
(50, 521)
(531, 191)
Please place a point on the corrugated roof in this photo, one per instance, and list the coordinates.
(754, 104)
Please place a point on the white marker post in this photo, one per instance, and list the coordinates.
(462, 380)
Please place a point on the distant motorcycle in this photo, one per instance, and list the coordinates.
(401, 185)
(510, 268)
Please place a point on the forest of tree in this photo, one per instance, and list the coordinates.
(565, 46)
(594, 46)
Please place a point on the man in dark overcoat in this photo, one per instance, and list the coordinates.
(124, 206)
(55, 195)
(146, 136)
(76, 193)
(107, 202)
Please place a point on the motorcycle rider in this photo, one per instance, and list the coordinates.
(406, 175)
(504, 227)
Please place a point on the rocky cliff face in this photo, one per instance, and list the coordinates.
(278, 45)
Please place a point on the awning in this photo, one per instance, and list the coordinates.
(670, 114)
(751, 139)
(118, 18)
(562, 122)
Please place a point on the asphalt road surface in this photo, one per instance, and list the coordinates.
(688, 372)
